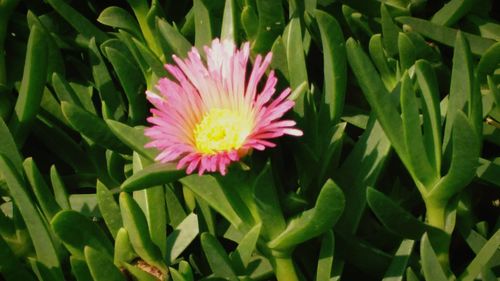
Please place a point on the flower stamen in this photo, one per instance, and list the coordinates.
(221, 130)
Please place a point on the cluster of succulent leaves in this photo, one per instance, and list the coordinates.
(396, 176)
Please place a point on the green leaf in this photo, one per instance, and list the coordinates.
(101, 267)
(77, 231)
(63, 90)
(377, 53)
(430, 265)
(464, 160)
(42, 241)
(104, 83)
(393, 217)
(295, 53)
(80, 269)
(156, 215)
(78, 21)
(488, 171)
(119, 18)
(133, 137)
(268, 204)
(155, 174)
(446, 35)
(8, 146)
(452, 12)
(202, 23)
(131, 82)
(230, 21)
(362, 168)
(240, 258)
(482, 258)
(476, 242)
(65, 148)
(421, 169)
(92, 127)
(173, 39)
(271, 21)
(150, 59)
(175, 210)
(181, 237)
(109, 209)
(397, 269)
(313, 222)
(335, 65)
(461, 88)
(124, 253)
(136, 225)
(217, 258)
(325, 261)
(10, 267)
(389, 31)
(407, 53)
(489, 61)
(431, 113)
(212, 192)
(43, 195)
(32, 85)
(377, 95)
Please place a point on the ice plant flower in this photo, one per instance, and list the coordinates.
(213, 112)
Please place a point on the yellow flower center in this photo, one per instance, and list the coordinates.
(221, 130)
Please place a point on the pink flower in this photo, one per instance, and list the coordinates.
(212, 115)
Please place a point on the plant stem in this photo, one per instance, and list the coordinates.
(436, 217)
(284, 268)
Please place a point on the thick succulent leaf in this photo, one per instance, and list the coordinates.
(152, 175)
(32, 85)
(377, 95)
(92, 127)
(10, 266)
(240, 258)
(8, 146)
(313, 222)
(452, 11)
(124, 253)
(36, 225)
(445, 35)
(268, 205)
(212, 192)
(325, 260)
(431, 113)
(77, 231)
(119, 18)
(230, 21)
(397, 269)
(393, 217)
(101, 266)
(482, 258)
(173, 39)
(217, 257)
(181, 237)
(420, 168)
(80, 269)
(464, 160)
(430, 264)
(271, 22)
(335, 65)
(78, 21)
(108, 208)
(136, 225)
(43, 195)
(133, 137)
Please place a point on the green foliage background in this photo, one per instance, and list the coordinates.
(397, 175)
